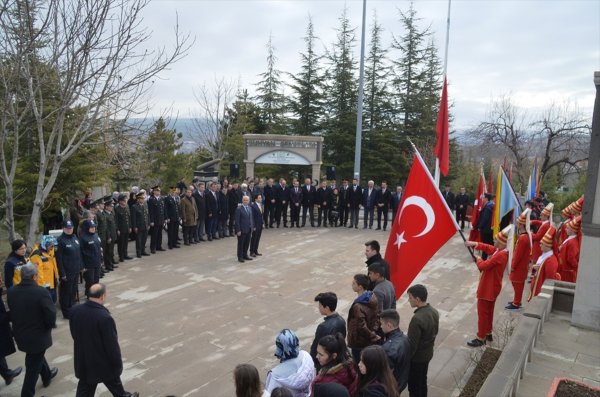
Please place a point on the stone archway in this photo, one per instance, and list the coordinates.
(283, 149)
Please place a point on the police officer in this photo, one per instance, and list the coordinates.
(91, 252)
(70, 264)
(156, 213)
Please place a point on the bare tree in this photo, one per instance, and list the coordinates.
(66, 66)
(210, 122)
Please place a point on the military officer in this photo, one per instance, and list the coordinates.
(156, 214)
(172, 215)
(140, 224)
(111, 234)
(122, 217)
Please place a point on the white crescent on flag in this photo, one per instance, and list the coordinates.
(427, 210)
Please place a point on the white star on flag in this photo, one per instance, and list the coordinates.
(400, 239)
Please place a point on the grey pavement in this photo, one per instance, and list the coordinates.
(186, 317)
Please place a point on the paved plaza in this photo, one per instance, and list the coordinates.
(186, 317)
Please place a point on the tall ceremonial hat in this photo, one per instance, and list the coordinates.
(547, 211)
(502, 235)
(548, 238)
(574, 224)
(566, 212)
(524, 217)
(577, 206)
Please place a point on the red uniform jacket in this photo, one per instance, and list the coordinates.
(568, 259)
(492, 271)
(520, 260)
(537, 237)
(547, 270)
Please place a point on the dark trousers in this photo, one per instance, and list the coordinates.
(382, 211)
(231, 222)
(109, 254)
(156, 237)
(311, 214)
(122, 241)
(269, 214)
(199, 228)
(255, 240)
(89, 389)
(35, 365)
(140, 241)
(417, 379)
(356, 353)
(487, 236)
(323, 214)
(172, 232)
(222, 227)
(295, 214)
(4, 370)
(281, 212)
(461, 215)
(354, 216)
(67, 292)
(243, 245)
(369, 213)
(91, 277)
(213, 223)
(344, 211)
(189, 234)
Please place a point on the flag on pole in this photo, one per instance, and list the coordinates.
(422, 226)
(442, 145)
(506, 200)
(489, 182)
(474, 234)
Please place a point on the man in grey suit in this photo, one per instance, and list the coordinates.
(244, 226)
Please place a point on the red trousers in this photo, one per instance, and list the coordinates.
(518, 287)
(485, 317)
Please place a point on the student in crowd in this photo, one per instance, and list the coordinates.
(247, 382)
(336, 364)
(375, 379)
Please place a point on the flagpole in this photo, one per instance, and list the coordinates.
(469, 248)
(359, 106)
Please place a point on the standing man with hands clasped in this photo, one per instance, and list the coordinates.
(244, 226)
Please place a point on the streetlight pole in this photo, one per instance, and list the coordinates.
(359, 110)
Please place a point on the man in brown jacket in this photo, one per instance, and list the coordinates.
(189, 216)
(363, 317)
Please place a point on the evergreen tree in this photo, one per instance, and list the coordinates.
(307, 89)
(341, 101)
(269, 96)
(164, 163)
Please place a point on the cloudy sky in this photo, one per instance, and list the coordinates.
(536, 51)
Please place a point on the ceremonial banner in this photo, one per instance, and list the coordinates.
(422, 226)
(506, 200)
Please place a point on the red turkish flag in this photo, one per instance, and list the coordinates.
(474, 235)
(422, 226)
(442, 145)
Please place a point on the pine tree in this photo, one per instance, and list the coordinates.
(164, 163)
(269, 97)
(341, 101)
(306, 103)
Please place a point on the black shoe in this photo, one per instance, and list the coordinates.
(476, 342)
(241, 260)
(53, 372)
(512, 307)
(378, 228)
(12, 374)
(252, 254)
(177, 246)
(356, 227)
(257, 254)
(139, 256)
(128, 258)
(489, 338)
(210, 239)
(247, 258)
(160, 249)
(145, 254)
(186, 243)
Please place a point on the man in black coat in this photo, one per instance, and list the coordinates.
(295, 203)
(484, 223)
(282, 200)
(449, 197)
(396, 198)
(212, 212)
(308, 201)
(91, 254)
(384, 199)
(233, 200)
(97, 355)
(244, 226)
(460, 205)
(70, 264)
(322, 202)
(156, 212)
(199, 195)
(172, 218)
(344, 203)
(396, 346)
(257, 214)
(7, 345)
(269, 201)
(354, 202)
(331, 325)
(33, 316)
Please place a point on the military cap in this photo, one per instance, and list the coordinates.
(122, 197)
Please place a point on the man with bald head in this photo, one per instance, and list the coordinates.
(97, 354)
(244, 226)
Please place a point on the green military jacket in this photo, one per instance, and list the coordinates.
(123, 219)
(111, 225)
(101, 228)
(139, 217)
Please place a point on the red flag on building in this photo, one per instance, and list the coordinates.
(442, 146)
(474, 234)
(422, 226)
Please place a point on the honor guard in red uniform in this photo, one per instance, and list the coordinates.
(574, 209)
(546, 265)
(490, 283)
(568, 253)
(543, 225)
(519, 267)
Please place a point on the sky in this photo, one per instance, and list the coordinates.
(537, 52)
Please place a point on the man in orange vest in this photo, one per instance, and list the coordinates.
(546, 265)
(490, 283)
(520, 261)
(568, 252)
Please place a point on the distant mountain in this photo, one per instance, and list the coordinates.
(188, 128)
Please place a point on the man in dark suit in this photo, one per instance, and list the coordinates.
(7, 345)
(308, 201)
(257, 214)
(33, 316)
(449, 197)
(282, 199)
(484, 223)
(244, 226)
(140, 221)
(97, 355)
(396, 198)
(369, 200)
(322, 202)
(354, 202)
(269, 201)
(384, 199)
(460, 205)
(212, 212)
(111, 234)
(156, 213)
(295, 203)
(223, 197)
(172, 218)
(344, 202)
(233, 199)
(199, 195)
